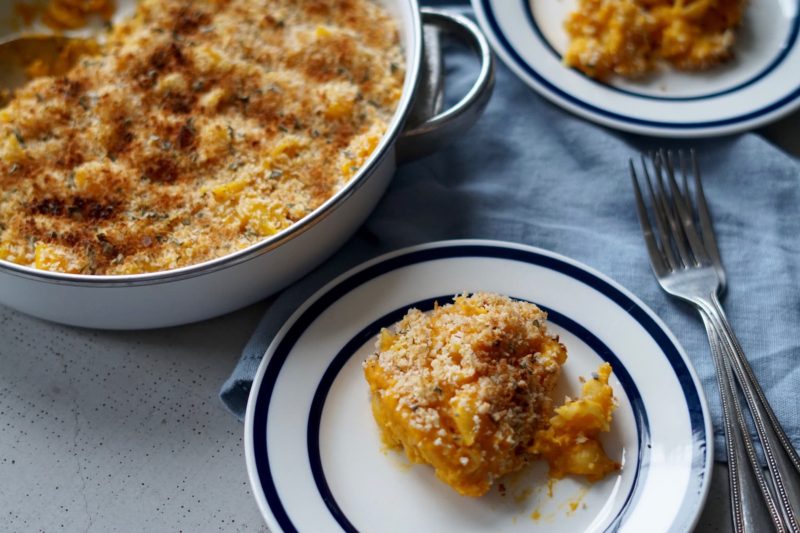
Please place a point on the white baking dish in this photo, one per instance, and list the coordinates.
(215, 287)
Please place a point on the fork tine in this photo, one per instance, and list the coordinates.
(684, 179)
(669, 210)
(685, 214)
(705, 222)
(656, 257)
(660, 219)
(661, 165)
(686, 192)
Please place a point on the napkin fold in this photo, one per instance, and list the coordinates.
(531, 173)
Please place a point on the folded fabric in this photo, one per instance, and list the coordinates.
(531, 173)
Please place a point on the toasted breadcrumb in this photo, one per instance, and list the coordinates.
(466, 388)
(196, 130)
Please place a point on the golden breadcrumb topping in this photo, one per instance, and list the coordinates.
(632, 37)
(196, 130)
(466, 388)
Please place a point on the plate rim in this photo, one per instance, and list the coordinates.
(550, 90)
(706, 468)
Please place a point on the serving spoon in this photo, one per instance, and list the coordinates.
(26, 19)
(26, 34)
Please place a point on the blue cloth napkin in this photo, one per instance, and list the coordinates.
(529, 172)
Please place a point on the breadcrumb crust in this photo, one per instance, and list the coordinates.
(466, 388)
(199, 129)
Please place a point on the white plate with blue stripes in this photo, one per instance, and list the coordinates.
(760, 85)
(313, 450)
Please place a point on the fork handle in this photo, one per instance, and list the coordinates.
(782, 459)
(752, 507)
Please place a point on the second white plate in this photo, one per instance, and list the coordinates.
(314, 455)
(760, 85)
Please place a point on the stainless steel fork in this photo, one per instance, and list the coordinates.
(686, 263)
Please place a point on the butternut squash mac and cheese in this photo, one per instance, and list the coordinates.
(196, 130)
(631, 37)
(467, 389)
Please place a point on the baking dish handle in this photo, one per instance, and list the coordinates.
(426, 135)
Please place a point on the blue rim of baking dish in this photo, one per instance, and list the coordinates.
(786, 47)
(263, 395)
(548, 88)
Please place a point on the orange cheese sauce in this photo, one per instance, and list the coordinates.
(570, 442)
(72, 14)
(633, 37)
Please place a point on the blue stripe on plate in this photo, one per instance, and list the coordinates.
(786, 47)
(556, 91)
(267, 384)
(368, 334)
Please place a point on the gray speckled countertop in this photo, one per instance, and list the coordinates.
(123, 431)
